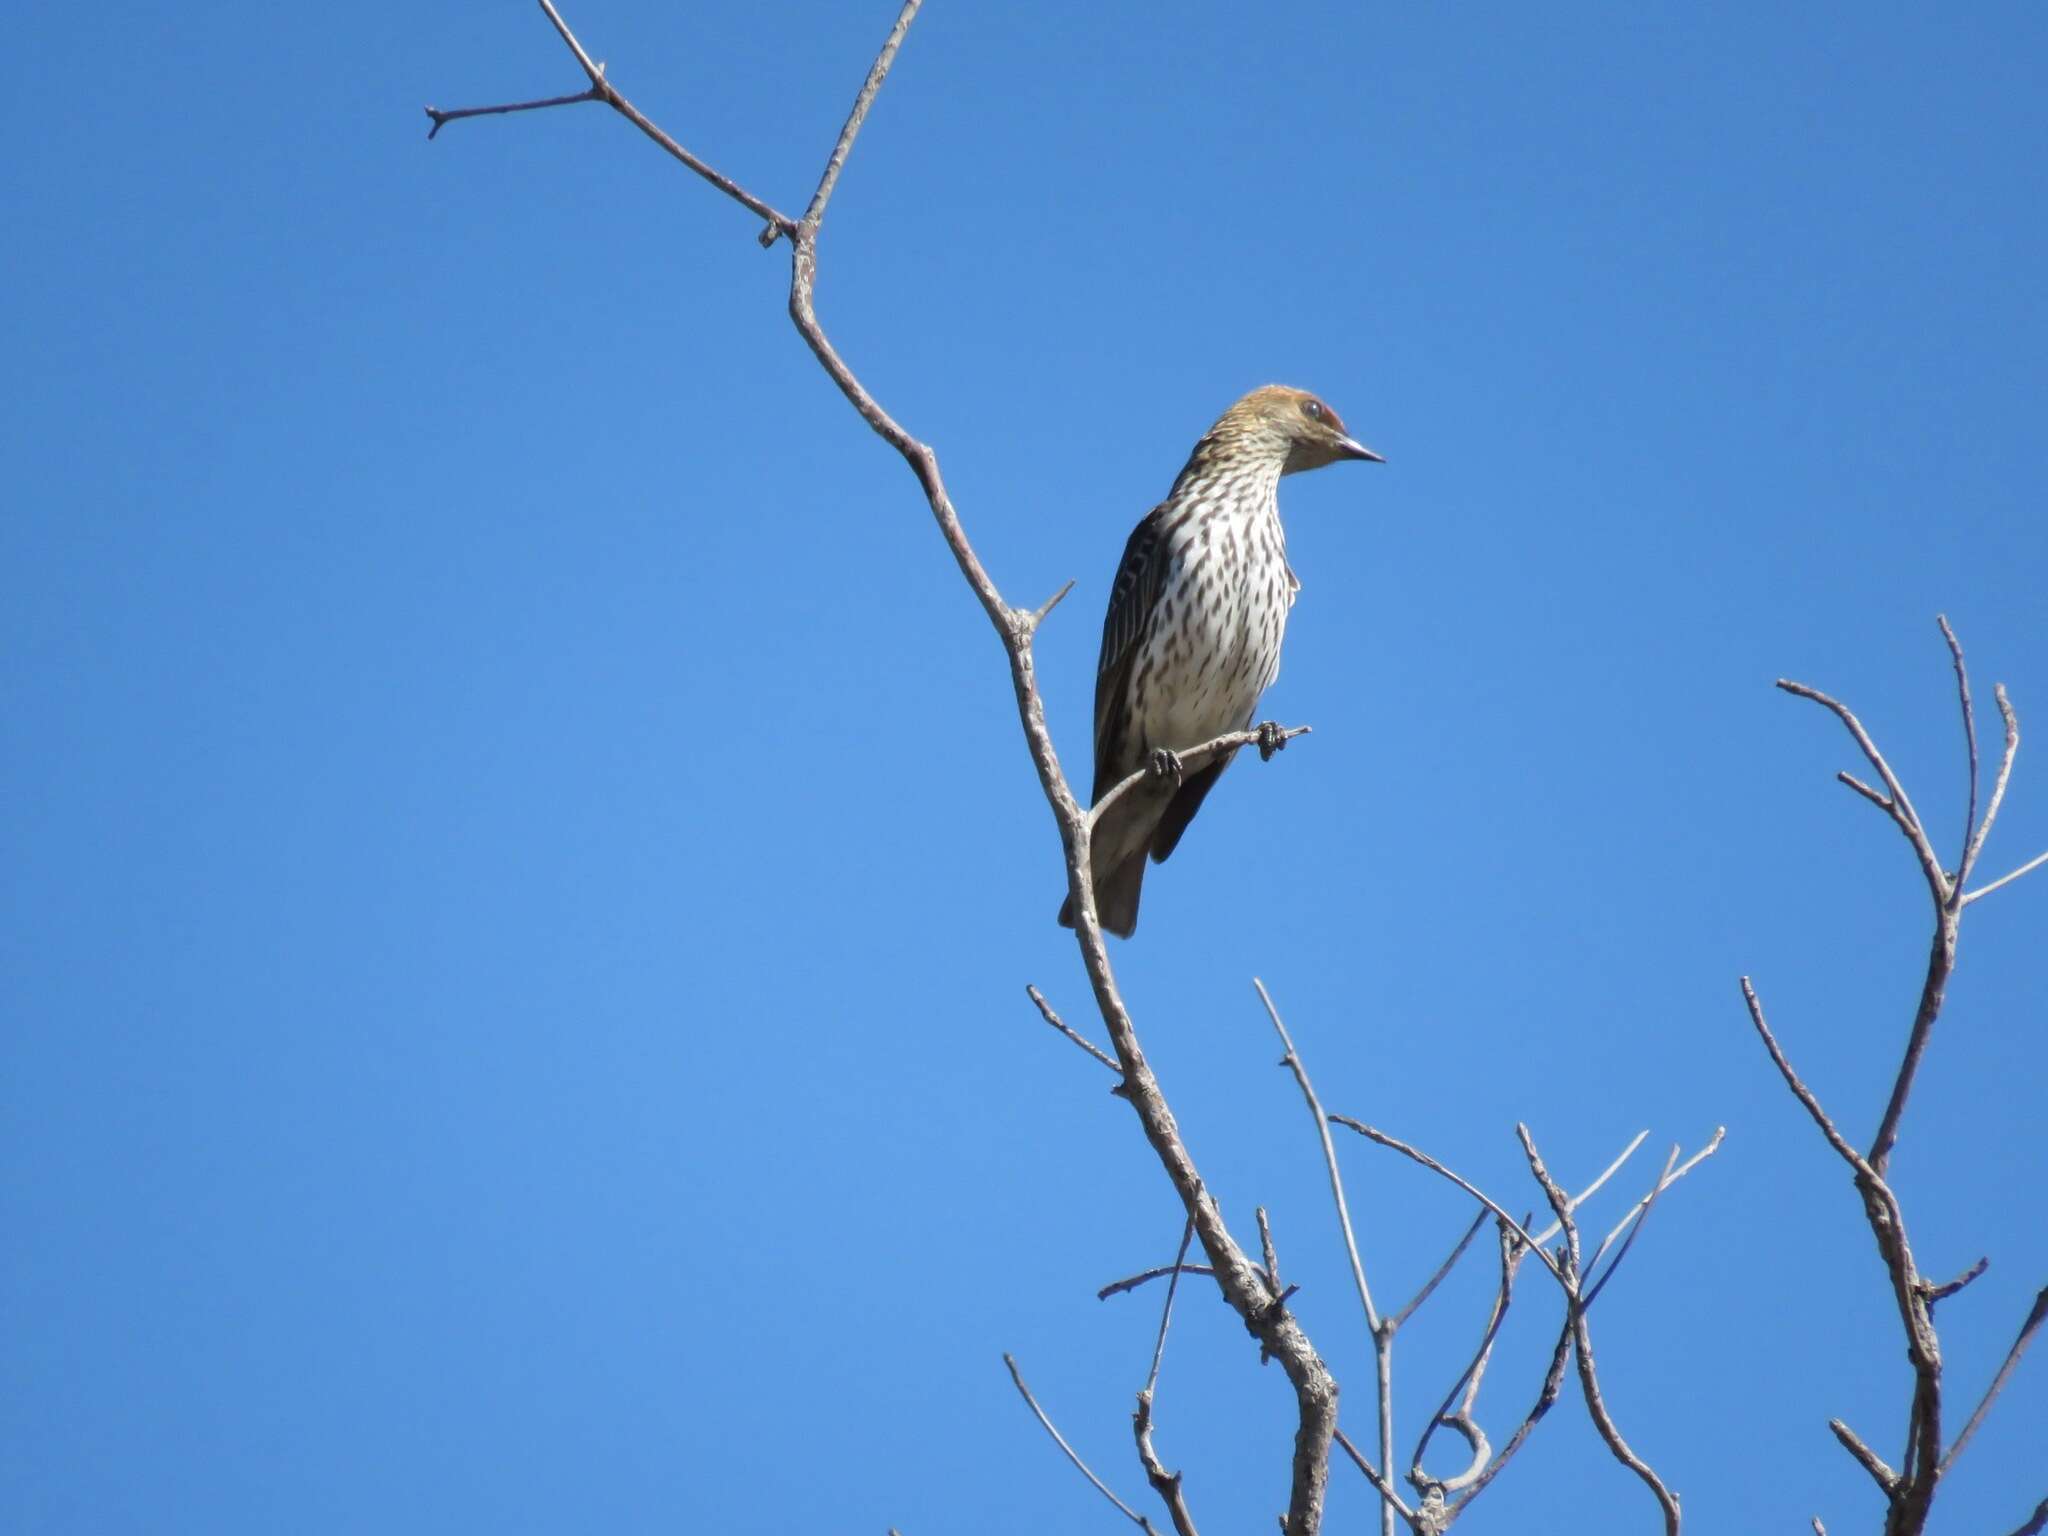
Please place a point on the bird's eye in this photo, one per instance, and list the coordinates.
(1312, 409)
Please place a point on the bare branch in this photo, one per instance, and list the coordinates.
(1582, 1338)
(1901, 807)
(1955, 651)
(1266, 1247)
(1998, 783)
(1437, 1279)
(2025, 869)
(1799, 1090)
(1641, 1206)
(1166, 1312)
(1649, 1201)
(2035, 1314)
(2035, 1523)
(603, 90)
(1886, 1479)
(1060, 1440)
(1196, 758)
(1935, 1293)
(1382, 1338)
(1414, 1154)
(1292, 1062)
(1060, 1024)
(1166, 1484)
(441, 117)
(877, 73)
(1146, 1276)
(1546, 1397)
(1038, 614)
(1386, 1490)
(1593, 1188)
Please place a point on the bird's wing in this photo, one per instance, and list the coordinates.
(1139, 578)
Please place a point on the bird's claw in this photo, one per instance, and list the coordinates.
(1271, 739)
(1165, 765)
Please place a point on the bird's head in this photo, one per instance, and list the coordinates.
(1293, 424)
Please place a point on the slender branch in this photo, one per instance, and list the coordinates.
(1649, 1201)
(1072, 1455)
(1800, 1091)
(1642, 1206)
(1948, 1288)
(1266, 1247)
(1394, 1323)
(441, 117)
(1370, 1133)
(1512, 1252)
(1046, 1011)
(1382, 1339)
(1901, 808)
(1546, 1397)
(2025, 869)
(1195, 759)
(836, 161)
(1582, 1339)
(1955, 651)
(1146, 1276)
(2006, 756)
(1886, 1479)
(1292, 1061)
(2028, 1328)
(1166, 1484)
(778, 222)
(2035, 1523)
(1593, 1188)
(1388, 1494)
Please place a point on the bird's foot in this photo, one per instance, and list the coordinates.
(1165, 765)
(1271, 739)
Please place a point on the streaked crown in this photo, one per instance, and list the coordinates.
(1288, 424)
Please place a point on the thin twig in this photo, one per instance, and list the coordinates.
(1593, 1188)
(1147, 1276)
(1582, 1340)
(1292, 1061)
(1901, 808)
(2025, 869)
(2006, 756)
(1266, 1247)
(2012, 1358)
(836, 161)
(1935, 1293)
(2035, 1523)
(1196, 758)
(1394, 1323)
(443, 116)
(1386, 1490)
(1713, 1145)
(1382, 1340)
(1061, 1441)
(1166, 1484)
(1046, 1010)
(1371, 1133)
(1800, 1091)
(1886, 1479)
(1546, 1397)
(1649, 1202)
(1969, 847)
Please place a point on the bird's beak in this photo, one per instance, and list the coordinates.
(1352, 448)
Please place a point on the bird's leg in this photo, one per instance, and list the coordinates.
(1271, 739)
(1165, 765)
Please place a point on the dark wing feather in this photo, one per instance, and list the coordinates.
(1139, 576)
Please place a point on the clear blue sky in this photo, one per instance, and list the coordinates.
(520, 865)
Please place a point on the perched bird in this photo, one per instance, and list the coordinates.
(1192, 637)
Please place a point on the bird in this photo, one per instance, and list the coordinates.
(1192, 636)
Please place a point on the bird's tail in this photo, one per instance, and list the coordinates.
(1116, 898)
